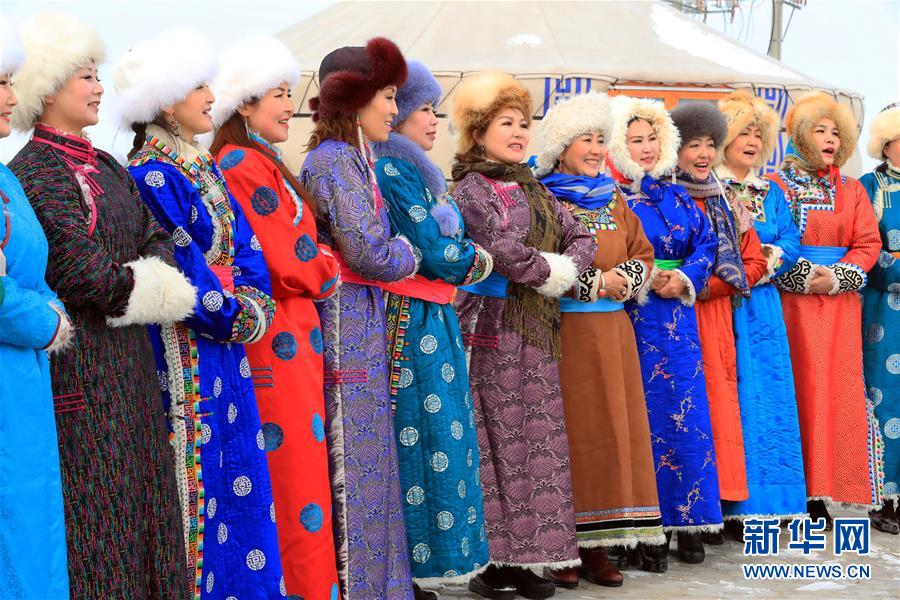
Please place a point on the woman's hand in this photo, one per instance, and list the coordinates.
(674, 287)
(822, 281)
(615, 285)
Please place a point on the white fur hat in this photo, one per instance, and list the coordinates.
(567, 120)
(56, 45)
(160, 72)
(884, 129)
(249, 70)
(12, 55)
(625, 109)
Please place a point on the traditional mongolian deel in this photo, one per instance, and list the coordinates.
(668, 344)
(525, 470)
(881, 319)
(287, 365)
(616, 502)
(110, 423)
(768, 403)
(369, 534)
(434, 420)
(206, 381)
(32, 565)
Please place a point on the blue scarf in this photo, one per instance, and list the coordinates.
(590, 193)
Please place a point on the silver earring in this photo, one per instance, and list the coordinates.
(173, 126)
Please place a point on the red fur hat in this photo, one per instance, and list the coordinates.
(349, 77)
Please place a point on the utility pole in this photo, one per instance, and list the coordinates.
(777, 33)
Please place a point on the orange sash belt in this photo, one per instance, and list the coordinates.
(439, 292)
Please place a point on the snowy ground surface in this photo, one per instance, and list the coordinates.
(721, 575)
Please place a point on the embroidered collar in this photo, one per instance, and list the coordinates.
(190, 157)
(752, 180)
(275, 150)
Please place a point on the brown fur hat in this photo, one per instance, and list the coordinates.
(742, 109)
(802, 119)
(349, 77)
(478, 99)
(885, 128)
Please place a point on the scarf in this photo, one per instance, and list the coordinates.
(534, 317)
(728, 266)
(81, 157)
(589, 193)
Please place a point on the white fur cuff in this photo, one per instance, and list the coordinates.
(64, 331)
(772, 263)
(643, 295)
(161, 294)
(690, 294)
(563, 274)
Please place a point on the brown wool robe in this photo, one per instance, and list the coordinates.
(613, 473)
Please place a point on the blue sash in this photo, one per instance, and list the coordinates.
(823, 255)
(493, 286)
(572, 305)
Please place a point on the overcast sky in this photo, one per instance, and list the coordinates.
(853, 44)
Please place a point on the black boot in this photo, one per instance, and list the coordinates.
(713, 539)
(734, 530)
(530, 585)
(653, 557)
(817, 510)
(421, 594)
(690, 547)
(885, 519)
(494, 582)
(619, 557)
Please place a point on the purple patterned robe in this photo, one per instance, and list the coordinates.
(373, 561)
(516, 392)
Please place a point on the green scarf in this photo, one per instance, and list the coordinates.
(534, 317)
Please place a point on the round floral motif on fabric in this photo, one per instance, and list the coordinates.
(456, 430)
(256, 560)
(893, 300)
(272, 512)
(451, 253)
(417, 213)
(406, 378)
(232, 159)
(254, 243)
(222, 533)
(155, 179)
(875, 395)
(305, 249)
(464, 546)
(469, 457)
(273, 435)
(284, 345)
(264, 201)
(232, 412)
(211, 508)
(428, 344)
(390, 170)
(163, 380)
(421, 553)
(245, 368)
(473, 515)
(242, 486)
(260, 440)
(194, 215)
(461, 489)
(893, 240)
(447, 372)
(217, 387)
(409, 436)
(432, 403)
(315, 340)
(181, 237)
(444, 520)
(212, 301)
(874, 333)
(311, 517)
(210, 581)
(893, 364)
(205, 434)
(892, 428)
(415, 495)
(439, 462)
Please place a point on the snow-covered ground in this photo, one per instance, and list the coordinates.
(721, 576)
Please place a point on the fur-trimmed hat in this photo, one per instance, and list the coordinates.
(697, 119)
(742, 109)
(479, 98)
(160, 72)
(625, 110)
(885, 128)
(248, 70)
(585, 113)
(12, 55)
(56, 45)
(349, 77)
(809, 110)
(420, 88)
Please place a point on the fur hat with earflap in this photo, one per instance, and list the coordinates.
(349, 77)
(698, 119)
(741, 110)
(12, 54)
(801, 120)
(420, 88)
(248, 70)
(885, 128)
(161, 72)
(585, 113)
(56, 45)
(478, 99)
(627, 109)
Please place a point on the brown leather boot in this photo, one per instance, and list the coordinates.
(564, 578)
(596, 568)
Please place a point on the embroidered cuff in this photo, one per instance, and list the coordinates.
(635, 274)
(257, 314)
(481, 266)
(798, 278)
(587, 286)
(846, 277)
(690, 294)
(773, 262)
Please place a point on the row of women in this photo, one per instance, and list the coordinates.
(263, 385)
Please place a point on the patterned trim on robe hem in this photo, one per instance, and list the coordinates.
(618, 526)
(875, 447)
(738, 518)
(798, 278)
(653, 539)
(711, 528)
(830, 502)
(848, 277)
(180, 349)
